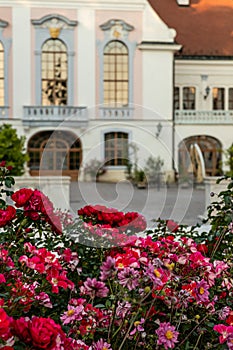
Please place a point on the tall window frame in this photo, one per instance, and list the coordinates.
(176, 97)
(230, 98)
(117, 30)
(218, 98)
(116, 73)
(116, 148)
(54, 27)
(6, 44)
(189, 97)
(54, 73)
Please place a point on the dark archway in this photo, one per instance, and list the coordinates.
(55, 153)
(211, 150)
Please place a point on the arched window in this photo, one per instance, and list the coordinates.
(54, 73)
(116, 148)
(2, 99)
(116, 74)
(54, 153)
(54, 46)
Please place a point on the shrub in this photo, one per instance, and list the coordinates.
(164, 290)
(12, 149)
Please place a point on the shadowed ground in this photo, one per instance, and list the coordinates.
(183, 205)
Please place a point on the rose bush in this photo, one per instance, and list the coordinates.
(94, 283)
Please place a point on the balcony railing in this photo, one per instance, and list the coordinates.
(203, 117)
(4, 112)
(116, 112)
(54, 115)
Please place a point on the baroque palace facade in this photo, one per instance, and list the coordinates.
(85, 80)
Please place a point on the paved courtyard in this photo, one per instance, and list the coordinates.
(183, 205)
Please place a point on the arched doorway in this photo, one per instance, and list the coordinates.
(55, 153)
(211, 150)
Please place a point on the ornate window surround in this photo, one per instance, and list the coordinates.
(6, 42)
(116, 29)
(54, 26)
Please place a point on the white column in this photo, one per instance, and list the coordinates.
(21, 45)
(86, 57)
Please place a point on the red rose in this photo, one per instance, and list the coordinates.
(202, 248)
(21, 330)
(45, 332)
(7, 215)
(172, 225)
(2, 278)
(35, 201)
(4, 324)
(22, 196)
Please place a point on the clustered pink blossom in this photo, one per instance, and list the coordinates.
(94, 288)
(167, 335)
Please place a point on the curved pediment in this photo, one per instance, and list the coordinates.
(53, 20)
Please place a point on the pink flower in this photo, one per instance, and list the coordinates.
(94, 288)
(172, 226)
(123, 309)
(138, 326)
(2, 278)
(226, 333)
(44, 299)
(201, 291)
(101, 345)
(108, 268)
(74, 313)
(167, 335)
(129, 278)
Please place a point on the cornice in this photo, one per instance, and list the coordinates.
(132, 5)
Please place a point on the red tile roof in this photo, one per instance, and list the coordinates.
(204, 28)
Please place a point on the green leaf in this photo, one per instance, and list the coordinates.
(9, 181)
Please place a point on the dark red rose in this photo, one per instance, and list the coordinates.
(4, 324)
(202, 248)
(22, 196)
(44, 333)
(20, 329)
(7, 215)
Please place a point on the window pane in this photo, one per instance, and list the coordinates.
(230, 101)
(189, 97)
(116, 73)
(54, 73)
(177, 98)
(218, 98)
(116, 148)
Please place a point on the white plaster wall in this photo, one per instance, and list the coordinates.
(21, 46)
(157, 82)
(86, 57)
(154, 29)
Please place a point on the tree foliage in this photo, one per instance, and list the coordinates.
(12, 149)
